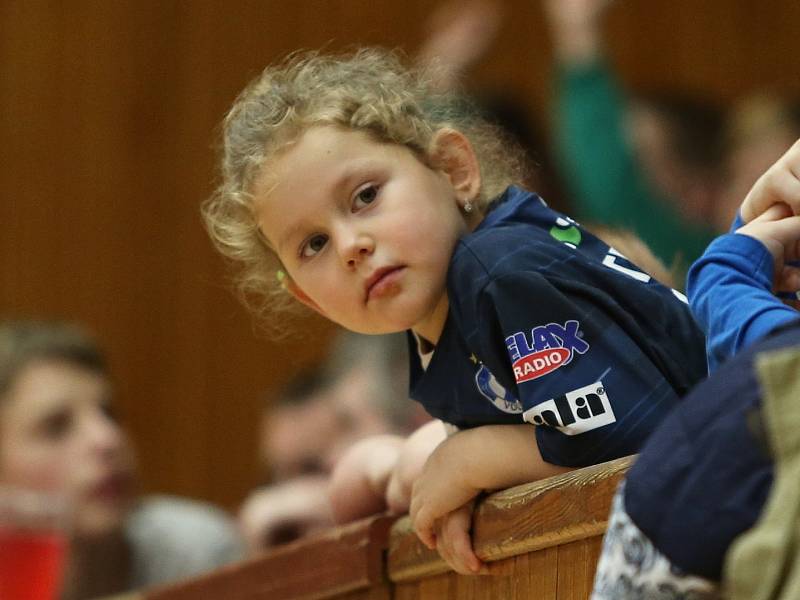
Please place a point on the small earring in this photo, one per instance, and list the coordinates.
(467, 207)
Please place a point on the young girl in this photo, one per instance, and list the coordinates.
(384, 208)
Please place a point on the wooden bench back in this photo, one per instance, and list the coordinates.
(541, 540)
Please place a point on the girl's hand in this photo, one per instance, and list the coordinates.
(461, 467)
(441, 489)
(780, 184)
(454, 542)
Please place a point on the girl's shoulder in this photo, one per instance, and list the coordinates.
(550, 245)
(512, 247)
(521, 234)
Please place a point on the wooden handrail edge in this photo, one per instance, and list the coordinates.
(336, 561)
(379, 551)
(526, 518)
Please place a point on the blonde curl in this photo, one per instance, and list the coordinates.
(369, 90)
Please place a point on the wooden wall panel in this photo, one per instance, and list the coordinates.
(721, 48)
(108, 115)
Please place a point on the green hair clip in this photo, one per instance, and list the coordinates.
(280, 275)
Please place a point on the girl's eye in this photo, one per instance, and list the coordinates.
(365, 196)
(313, 245)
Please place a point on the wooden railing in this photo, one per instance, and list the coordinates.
(540, 540)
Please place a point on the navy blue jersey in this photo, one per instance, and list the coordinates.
(550, 326)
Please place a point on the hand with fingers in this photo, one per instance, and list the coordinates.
(771, 212)
(575, 27)
(283, 512)
(454, 541)
(442, 501)
(779, 230)
(779, 185)
(459, 35)
(462, 466)
(361, 476)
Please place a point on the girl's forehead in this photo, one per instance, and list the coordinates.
(327, 150)
(321, 156)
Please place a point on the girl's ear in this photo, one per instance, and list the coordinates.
(452, 153)
(290, 286)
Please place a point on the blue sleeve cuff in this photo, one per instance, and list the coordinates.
(753, 251)
(737, 222)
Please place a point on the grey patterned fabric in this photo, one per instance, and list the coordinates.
(631, 568)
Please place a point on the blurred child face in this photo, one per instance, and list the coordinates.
(57, 434)
(691, 192)
(364, 229)
(297, 440)
(649, 137)
(311, 437)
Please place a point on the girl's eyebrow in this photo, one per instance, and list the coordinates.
(287, 236)
(342, 182)
(354, 170)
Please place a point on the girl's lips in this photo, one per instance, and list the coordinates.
(383, 282)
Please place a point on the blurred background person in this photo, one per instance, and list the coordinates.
(668, 142)
(360, 391)
(458, 37)
(59, 433)
(300, 427)
(760, 128)
(651, 162)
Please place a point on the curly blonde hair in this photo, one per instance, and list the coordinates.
(370, 90)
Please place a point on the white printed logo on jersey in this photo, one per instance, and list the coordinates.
(611, 262)
(496, 393)
(575, 412)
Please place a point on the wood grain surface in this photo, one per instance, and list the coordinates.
(344, 562)
(552, 512)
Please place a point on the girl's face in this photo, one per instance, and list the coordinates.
(365, 229)
(57, 434)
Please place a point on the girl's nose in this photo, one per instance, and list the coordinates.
(357, 248)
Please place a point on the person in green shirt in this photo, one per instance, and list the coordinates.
(649, 165)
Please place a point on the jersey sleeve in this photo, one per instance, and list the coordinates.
(568, 351)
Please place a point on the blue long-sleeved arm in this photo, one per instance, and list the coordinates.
(730, 293)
